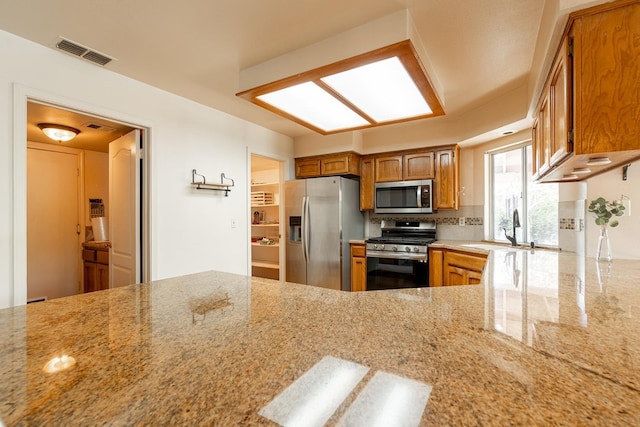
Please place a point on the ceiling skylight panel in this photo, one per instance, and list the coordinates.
(383, 90)
(310, 103)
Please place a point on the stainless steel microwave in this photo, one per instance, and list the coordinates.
(404, 197)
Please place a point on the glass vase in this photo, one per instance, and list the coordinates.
(603, 251)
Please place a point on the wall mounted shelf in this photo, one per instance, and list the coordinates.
(204, 185)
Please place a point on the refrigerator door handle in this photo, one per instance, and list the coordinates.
(305, 251)
(307, 237)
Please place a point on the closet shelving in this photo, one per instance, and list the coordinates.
(265, 225)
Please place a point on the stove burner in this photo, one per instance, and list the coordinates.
(406, 233)
(402, 240)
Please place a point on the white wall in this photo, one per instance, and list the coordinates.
(190, 230)
(624, 238)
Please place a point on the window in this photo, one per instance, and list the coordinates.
(511, 187)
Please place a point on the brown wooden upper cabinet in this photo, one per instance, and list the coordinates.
(438, 163)
(367, 184)
(404, 167)
(418, 166)
(343, 164)
(388, 168)
(587, 116)
(447, 180)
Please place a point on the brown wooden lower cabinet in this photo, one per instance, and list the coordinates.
(96, 269)
(358, 267)
(449, 267)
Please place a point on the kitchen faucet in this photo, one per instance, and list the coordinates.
(516, 223)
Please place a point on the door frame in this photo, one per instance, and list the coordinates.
(284, 166)
(23, 94)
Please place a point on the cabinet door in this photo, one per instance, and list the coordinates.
(435, 267)
(367, 186)
(607, 62)
(90, 279)
(461, 268)
(388, 168)
(102, 276)
(535, 150)
(474, 277)
(358, 268)
(418, 166)
(307, 168)
(455, 276)
(447, 178)
(544, 124)
(560, 92)
(335, 165)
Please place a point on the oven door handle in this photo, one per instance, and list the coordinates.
(394, 255)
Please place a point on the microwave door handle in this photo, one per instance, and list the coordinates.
(419, 195)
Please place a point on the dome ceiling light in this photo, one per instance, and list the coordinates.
(58, 133)
(383, 86)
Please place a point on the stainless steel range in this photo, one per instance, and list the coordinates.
(399, 258)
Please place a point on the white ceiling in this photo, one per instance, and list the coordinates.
(480, 49)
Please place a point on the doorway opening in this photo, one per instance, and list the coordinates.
(266, 214)
(68, 186)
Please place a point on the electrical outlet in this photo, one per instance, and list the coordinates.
(462, 221)
(233, 223)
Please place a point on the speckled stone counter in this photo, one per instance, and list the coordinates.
(546, 339)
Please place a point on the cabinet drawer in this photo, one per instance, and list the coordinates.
(102, 257)
(358, 251)
(88, 255)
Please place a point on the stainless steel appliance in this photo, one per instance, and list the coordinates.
(322, 214)
(406, 197)
(399, 258)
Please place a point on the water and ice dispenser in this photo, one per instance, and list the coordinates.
(295, 228)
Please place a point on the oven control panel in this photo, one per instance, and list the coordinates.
(387, 247)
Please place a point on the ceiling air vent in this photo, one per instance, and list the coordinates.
(98, 126)
(96, 57)
(83, 52)
(71, 48)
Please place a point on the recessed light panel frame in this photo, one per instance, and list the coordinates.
(356, 114)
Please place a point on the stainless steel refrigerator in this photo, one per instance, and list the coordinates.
(322, 215)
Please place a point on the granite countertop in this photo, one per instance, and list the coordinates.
(546, 339)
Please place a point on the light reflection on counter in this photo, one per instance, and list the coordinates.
(312, 399)
(523, 289)
(388, 400)
(58, 364)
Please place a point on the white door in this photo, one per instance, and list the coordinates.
(53, 242)
(123, 210)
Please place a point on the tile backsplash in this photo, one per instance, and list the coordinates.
(448, 223)
(571, 224)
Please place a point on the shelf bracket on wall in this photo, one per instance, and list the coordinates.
(204, 185)
(625, 169)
